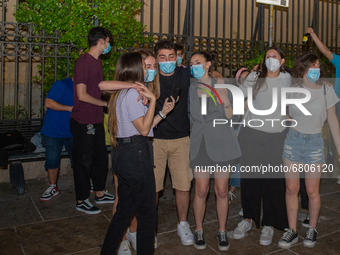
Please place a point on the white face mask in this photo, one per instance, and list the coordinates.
(272, 64)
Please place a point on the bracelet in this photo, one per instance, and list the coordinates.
(227, 106)
(161, 115)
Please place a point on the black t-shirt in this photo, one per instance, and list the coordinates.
(177, 124)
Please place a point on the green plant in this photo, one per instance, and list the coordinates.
(9, 111)
(73, 19)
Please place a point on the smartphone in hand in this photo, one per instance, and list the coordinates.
(175, 90)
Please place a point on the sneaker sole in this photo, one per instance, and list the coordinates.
(238, 236)
(265, 243)
(200, 247)
(105, 202)
(305, 225)
(88, 212)
(186, 243)
(309, 244)
(49, 198)
(223, 248)
(285, 245)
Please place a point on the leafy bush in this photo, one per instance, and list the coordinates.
(73, 19)
(9, 112)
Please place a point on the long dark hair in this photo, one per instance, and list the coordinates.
(301, 66)
(129, 68)
(206, 55)
(264, 71)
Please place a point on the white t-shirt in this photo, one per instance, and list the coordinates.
(264, 101)
(312, 124)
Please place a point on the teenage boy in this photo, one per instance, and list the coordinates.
(172, 143)
(180, 55)
(56, 131)
(89, 150)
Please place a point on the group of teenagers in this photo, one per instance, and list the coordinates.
(150, 129)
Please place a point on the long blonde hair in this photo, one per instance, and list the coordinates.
(129, 68)
(153, 86)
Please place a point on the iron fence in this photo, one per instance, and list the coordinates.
(232, 28)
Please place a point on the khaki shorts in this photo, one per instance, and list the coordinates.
(176, 153)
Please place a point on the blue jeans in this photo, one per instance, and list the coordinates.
(235, 179)
(53, 147)
(305, 148)
(131, 161)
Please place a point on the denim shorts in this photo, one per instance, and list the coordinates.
(304, 148)
(54, 147)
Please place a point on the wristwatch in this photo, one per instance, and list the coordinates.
(161, 115)
(227, 106)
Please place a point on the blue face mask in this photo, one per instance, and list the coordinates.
(150, 75)
(107, 50)
(179, 60)
(313, 74)
(167, 66)
(197, 71)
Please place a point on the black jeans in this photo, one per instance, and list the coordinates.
(89, 159)
(131, 162)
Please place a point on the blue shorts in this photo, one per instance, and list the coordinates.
(304, 148)
(54, 147)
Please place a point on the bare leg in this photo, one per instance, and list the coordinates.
(312, 186)
(53, 175)
(100, 193)
(200, 200)
(182, 203)
(292, 191)
(222, 201)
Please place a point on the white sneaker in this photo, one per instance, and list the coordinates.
(124, 248)
(155, 244)
(184, 232)
(231, 196)
(132, 237)
(242, 228)
(240, 212)
(267, 235)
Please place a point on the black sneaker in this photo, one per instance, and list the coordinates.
(107, 198)
(305, 223)
(86, 207)
(199, 241)
(288, 239)
(310, 238)
(52, 191)
(223, 243)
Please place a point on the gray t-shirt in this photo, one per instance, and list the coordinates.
(129, 109)
(312, 124)
(264, 101)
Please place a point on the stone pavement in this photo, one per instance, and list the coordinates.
(31, 227)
